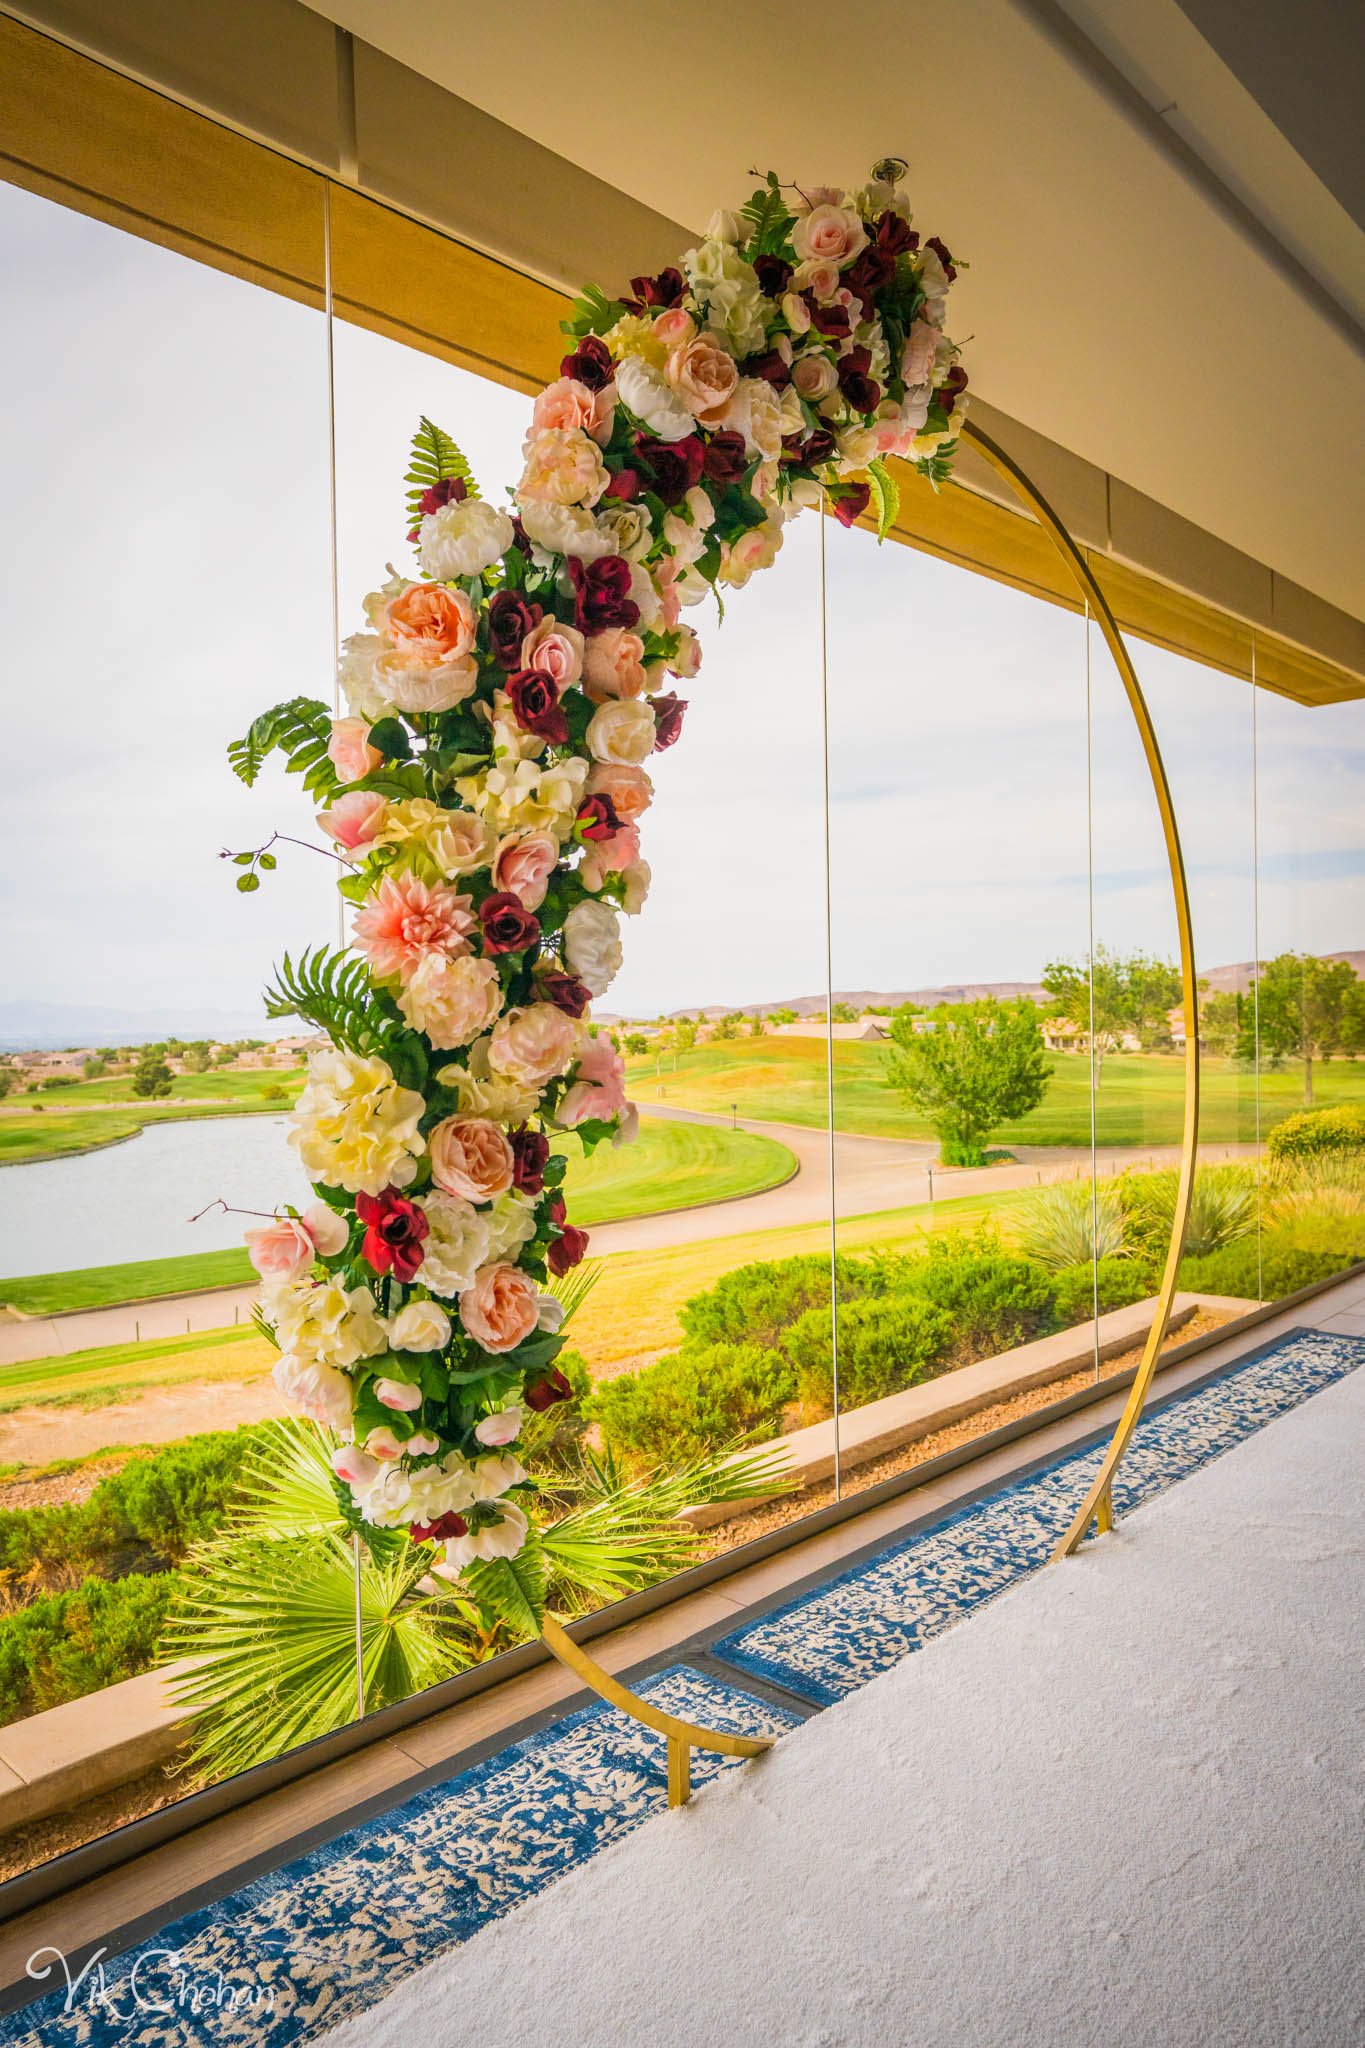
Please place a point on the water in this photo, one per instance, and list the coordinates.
(133, 1201)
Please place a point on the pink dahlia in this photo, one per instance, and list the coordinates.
(406, 919)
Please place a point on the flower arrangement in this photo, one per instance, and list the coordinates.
(485, 796)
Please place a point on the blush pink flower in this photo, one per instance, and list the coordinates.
(406, 919)
(674, 327)
(329, 1232)
(523, 865)
(355, 1466)
(532, 1044)
(354, 820)
(567, 403)
(280, 1251)
(500, 1310)
(610, 856)
(471, 1157)
(451, 1000)
(556, 650)
(687, 661)
(704, 377)
(630, 790)
(563, 467)
(829, 234)
(399, 1395)
(428, 622)
(349, 749)
(921, 347)
(614, 664)
(599, 1084)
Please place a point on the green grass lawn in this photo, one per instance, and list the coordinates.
(783, 1080)
(97, 1379)
(670, 1166)
(82, 1118)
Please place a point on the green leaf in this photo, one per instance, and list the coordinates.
(435, 459)
(513, 1589)
(390, 736)
(769, 219)
(886, 496)
(593, 313)
(300, 728)
(268, 862)
(248, 883)
(334, 991)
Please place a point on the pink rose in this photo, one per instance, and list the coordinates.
(281, 1251)
(674, 327)
(704, 377)
(921, 348)
(523, 865)
(406, 919)
(471, 1157)
(532, 1044)
(822, 279)
(499, 1429)
(829, 234)
(398, 1394)
(556, 651)
(384, 1445)
(451, 1000)
(567, 403)
(687, 661)
(354, 820)
(330, 1233)
(317, 1391)
(499, 1311)
(610, 856)
(349, 749)
(814, 376)
(628, 789)
(599, 1084)
(430, 623)
(355, 1466)
(614, 665)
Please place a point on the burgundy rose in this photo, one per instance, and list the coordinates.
(567, 1250)
(827, 319)
(861, 391)
(817, 448)
(566, 992)
(895, 235)
(544, 1393)
(602, 593)
(394, 1232)
(590, 363)
(664, 290)
(449, 490)
(672, 466)
(510, 618)
(530, 1155)
(535, 700)
(508, 926)
(872, 272)
(442, 1530)
(725, 459)
(953, 385)
(596, 819)
(625, 484)
(850, 504)
(668, 719)
(949, 267)
(774, 274)
(770, 367)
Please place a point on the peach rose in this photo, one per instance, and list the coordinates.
(405, 920)
(431, 623)
(470, 1157)
(349, 749)
(524, 863)
(354, 820)
(282, 1250)
(612, 856)
(563, 467)
(556, 650)
(567, 403)
(532, 1044)
(614, 664)
(674, 327)
(499, 1311)
(450, 1000)
(829, 234)
(630, 789)
(704, 377)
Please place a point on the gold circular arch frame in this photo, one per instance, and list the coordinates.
(1098, 1505)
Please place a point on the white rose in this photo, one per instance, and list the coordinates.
(456, 1243)
(621, 730)
(592, 944)
(421, 1326)
(725, 226)
(511, 1223)
(497, 1533)
(857, 446)
(565, 530)
(646, 392)
(463, 539)
(359, 679)
(550, 1314)
(627, 528)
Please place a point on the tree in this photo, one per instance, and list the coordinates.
(1305, 1009)
(8, 1079)
(197, 1059)
(843, 1013)
(757, 1027)
(151, 1075)
(1220, 1021)
(1122, 993)
(685, 1034)
(93, 1068)
(727, 1027)
(782, 1016)
(977, 1065)
(636, 1042)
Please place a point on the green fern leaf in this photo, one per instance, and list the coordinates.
(768, 217)
(333, 991)
(435, 459)
(300, 728)
(886, 496)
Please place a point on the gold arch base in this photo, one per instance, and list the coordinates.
(1098, 1506)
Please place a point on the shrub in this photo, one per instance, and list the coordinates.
(700, 1400)
(1119, 1282)
(1070, 1222)
(884, 1346)
(755, 1304)
(68, 1644)
(1314, 1131)
(1222, 1208)
(1284, 1267)
(995, 1300)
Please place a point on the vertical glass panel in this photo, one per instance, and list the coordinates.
(165, 511)
(672, 1354)
(1309, 997)
(962, 1103)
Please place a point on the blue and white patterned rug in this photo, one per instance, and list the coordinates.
(292, 1954)
(828, 1642)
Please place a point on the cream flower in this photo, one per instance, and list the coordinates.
(421, 687)
(420, 1326)
(356, 673)
(511, 1223)
(353, 1126)
(646, 392)
(565, 530)
(495, 1530)
(622, 731)
(525, 796)
(451, 1000)
(327, 1324)
(463, 539)
(634, 336)
(456, 1243)
(318, 1391)
(592, 944)
(482, 1092)
(563, 467)
(627, 527)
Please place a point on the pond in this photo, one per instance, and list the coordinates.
(134, 1200)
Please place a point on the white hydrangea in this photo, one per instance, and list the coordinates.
(456, 1244)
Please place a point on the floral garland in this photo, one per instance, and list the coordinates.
(485, 797)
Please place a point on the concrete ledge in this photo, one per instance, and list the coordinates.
(806, 1456)
(54, 1760)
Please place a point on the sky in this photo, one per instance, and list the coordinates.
(164, 547)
